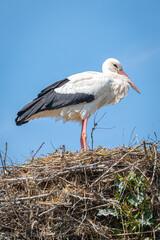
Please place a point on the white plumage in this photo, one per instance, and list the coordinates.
(105, 92)
(79, 96)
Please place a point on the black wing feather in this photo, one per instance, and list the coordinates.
(53, 86)
(48, 99)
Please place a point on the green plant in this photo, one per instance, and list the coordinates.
(132, 212)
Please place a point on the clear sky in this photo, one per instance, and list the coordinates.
(42, 42)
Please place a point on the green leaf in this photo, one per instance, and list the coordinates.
(132, 199)
(119, 184)
(106, 212)
(140, 197)
(138, 176)
(117, 231)
(131, 176)
(145, 219)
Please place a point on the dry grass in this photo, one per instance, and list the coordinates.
(60, 195)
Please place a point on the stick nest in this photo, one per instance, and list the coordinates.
(67, 195)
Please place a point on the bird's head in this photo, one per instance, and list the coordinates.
(113, 65)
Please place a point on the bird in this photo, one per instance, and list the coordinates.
(78, 96)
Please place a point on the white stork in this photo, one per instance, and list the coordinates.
(77, 97)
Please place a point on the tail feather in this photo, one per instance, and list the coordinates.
(28, 111)
(39, 104)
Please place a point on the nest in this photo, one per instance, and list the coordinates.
(83, 195)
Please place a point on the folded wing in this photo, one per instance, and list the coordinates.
(49, 99)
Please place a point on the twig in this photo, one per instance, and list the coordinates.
(85, 215)
(97, 230)
(93, 128)
(14, 180)
(123, 137)
(155, 136)
(5, 155)
(3, 161)
(79, 197)
(135, 233)
(53, 147)
(68, 182)
(145, 149)
(101, 117)
(95, 125)
(37, 151)
(124, 231)
(131, 136)
(155, 164)
(133, 141)
(51, 209)
(27, 198)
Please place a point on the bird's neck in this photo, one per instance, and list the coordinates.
(119, 84)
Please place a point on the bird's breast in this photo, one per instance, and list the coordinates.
(113, 92)
(120, 90)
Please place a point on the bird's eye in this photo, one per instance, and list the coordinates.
(115, 65)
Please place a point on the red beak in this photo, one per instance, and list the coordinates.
(130, 82)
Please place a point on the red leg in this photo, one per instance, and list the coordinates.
(84, 135)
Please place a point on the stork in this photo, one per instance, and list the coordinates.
(78, 96)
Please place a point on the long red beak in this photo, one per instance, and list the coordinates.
(130, 82)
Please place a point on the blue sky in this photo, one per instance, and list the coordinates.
(45, 41)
